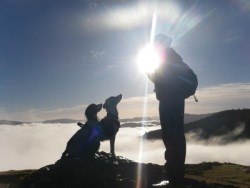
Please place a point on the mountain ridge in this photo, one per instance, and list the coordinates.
(232, 124)
(188, 118)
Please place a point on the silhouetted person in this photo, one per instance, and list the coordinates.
(86, 141)
(171, 110)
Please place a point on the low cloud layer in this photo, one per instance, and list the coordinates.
(36, 145)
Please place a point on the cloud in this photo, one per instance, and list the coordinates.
(97, 54)
(32, 146)
(3, 113)
(134, 106)
(221, 97)
(244, 5)
(233, 153)
(129, 107)
(195, 136)
(36, 145)
(170, 15)
(211, 99)
(131, 16)
(74, 112)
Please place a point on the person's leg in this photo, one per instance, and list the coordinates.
(163, 122)
(172, 117)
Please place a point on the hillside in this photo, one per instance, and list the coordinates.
(119, 172)
(232, 125)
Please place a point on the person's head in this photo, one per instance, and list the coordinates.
(163, 41)
(92, 110)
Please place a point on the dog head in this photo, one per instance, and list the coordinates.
(92, 110)
(111, 105)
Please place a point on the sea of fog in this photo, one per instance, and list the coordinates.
(35, 145)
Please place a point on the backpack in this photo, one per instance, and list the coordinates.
(186, 81)
(175, 80)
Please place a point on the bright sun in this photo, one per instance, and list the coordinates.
(148, 59)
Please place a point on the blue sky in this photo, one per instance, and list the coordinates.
(58, 55)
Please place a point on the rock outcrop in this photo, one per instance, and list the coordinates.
(101, 172)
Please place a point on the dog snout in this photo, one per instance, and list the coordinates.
(119, 98)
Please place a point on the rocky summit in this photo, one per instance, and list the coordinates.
(118, 172)
(106, 171)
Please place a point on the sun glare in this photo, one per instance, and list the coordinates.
(148, 59)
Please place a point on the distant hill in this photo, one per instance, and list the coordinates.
(136, 121)
(7, 122)
(152, 121)
(128, 122)
(187, 119)
(231, 125)
(139, 124)
(62, 121)
(139, 119)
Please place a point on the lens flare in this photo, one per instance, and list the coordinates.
(148, 59)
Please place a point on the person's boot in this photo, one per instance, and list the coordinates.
(164, 182)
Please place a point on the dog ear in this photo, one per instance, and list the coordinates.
(99, 107)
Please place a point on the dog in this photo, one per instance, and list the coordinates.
(112, 118)
(91, 114)
(86, 141)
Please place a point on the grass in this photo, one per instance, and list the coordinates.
(226, 174)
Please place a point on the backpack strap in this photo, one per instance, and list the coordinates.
(195, 98)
